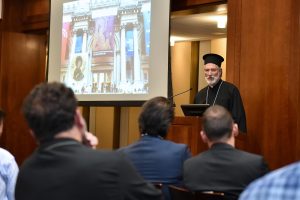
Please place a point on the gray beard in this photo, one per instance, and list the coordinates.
(213, 82)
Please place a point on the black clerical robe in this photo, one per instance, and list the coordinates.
(227, 95)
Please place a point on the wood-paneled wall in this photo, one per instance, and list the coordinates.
(270, 99)
(23, 59)
(263, 59)
(18, 80)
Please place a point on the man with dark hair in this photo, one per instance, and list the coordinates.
(63, 167)
(156, 159)
(222, 168)
(8, 169)
(219, 92)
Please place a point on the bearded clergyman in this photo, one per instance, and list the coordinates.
(220, 92)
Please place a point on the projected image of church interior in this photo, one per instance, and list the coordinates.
(106, 46)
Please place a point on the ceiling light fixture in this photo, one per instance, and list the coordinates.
(222, 21)
(172, 41)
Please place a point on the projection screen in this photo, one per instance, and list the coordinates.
(110, 51)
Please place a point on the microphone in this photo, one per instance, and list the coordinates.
(172, 97)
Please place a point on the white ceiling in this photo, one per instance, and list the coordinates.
(198, 26)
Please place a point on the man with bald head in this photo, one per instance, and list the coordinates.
(222, 168)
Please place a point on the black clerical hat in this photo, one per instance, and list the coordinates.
(213, 58)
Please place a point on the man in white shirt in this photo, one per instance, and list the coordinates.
(8, 169)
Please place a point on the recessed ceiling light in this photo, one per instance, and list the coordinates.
(221, 21)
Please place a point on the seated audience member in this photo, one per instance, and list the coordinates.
(281, 184)
(63, 168)
(157, 159)
(8, 169)
(221, 168)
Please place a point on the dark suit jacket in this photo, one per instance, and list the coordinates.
(158, 160)
(64, 169)
(223, 168)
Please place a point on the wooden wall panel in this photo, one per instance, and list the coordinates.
(25, 15)
(264, 78)
(233, 53)
(23, 66)
(11, 16)
(34, 8)
(194, 70)
(187, 130)
(197, 2)
(178, 5)
(294, 95)
(35, 15)
(22, 58)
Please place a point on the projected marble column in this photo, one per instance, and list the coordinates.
(116, 71)
(137, 65)
(123, 55)
(71, 57)
(114, 76)
(73, 45)
(118, 68)
(84, 41)
(117, 59)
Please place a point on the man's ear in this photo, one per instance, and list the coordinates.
(79, 120)
(203, 137)
(1, 127)
(33, 135)
(235, 130)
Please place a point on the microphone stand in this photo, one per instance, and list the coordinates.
(172, 97)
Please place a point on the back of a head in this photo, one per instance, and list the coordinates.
(50, 109)
(217, 123)
(156, 117)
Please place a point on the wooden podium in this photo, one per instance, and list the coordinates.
(186, 130)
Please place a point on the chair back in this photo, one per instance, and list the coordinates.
(158, 185)
(164, 189)
(211, 196)
(178, 193)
